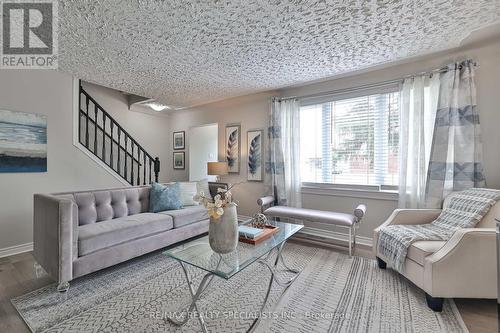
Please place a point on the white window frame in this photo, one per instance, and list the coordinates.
(382, 192)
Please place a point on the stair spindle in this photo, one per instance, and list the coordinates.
(111, 149)
(126, 157)
(104, 138)
(87, 123)
(95, 129)
(144, 168)
(132, 163)
(150, 170)
(118, 167)
(138, 166)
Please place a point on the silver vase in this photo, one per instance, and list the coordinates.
(223, 232)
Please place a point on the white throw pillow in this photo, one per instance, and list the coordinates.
(202, 186)
(188, 190)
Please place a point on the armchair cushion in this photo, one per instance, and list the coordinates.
(418, 251)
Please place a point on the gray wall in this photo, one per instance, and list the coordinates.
(150, 129)
(252, 112)
(51, 93)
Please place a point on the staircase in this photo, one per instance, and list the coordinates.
(100, 134)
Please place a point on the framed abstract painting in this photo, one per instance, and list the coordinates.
(255, 155)
(23, 142)
(233, 147)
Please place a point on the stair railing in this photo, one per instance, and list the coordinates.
(112, 144)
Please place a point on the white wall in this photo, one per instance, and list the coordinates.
(252, 112)
(203, 148)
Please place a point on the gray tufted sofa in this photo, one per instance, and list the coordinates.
(77, 233)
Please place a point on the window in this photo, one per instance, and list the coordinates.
(351, 140)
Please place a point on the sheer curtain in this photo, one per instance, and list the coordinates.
(419, 97)
(283, 166)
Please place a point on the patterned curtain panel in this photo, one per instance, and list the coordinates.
(456, 154)
(283, 164)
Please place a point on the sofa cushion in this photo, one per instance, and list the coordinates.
(187, 192)
(421, 249)
(164, 197)
(187, 215)
(97, 236)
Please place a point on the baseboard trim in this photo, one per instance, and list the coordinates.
(335, 236)
(16, 249)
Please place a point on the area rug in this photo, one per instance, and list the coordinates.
(334, 293)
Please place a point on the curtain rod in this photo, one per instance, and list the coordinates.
(372, 85)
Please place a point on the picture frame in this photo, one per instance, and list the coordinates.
(179, 140)
(233, 147)
(23, 146)
(255, 155)
(179, 160)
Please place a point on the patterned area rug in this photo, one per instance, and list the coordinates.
(332, 294)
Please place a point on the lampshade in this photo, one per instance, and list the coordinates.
(217, 168)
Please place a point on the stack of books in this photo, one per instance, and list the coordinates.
(249, 232)
(255, 235)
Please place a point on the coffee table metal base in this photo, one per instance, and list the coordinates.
(207, 279)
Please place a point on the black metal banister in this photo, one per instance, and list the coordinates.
(146, 161)
(109, 116)
(91, 121)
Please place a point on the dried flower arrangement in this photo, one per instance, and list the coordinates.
(216, 206)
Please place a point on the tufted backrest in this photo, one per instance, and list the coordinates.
(103, 205)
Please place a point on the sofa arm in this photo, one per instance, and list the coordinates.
(405, 217)
(465, 266)
(55, 235)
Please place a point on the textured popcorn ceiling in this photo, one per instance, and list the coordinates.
(191, 52)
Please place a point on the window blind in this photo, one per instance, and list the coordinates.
(352, 141)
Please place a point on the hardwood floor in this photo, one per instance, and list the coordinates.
(17, 277)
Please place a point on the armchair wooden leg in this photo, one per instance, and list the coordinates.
(381, 264)
(435, 303)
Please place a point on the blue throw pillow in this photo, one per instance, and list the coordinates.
(164, 197)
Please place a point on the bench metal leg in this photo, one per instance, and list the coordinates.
(350, 242)
(354, 240)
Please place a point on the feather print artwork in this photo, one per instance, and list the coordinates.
(232, 148)
(254, 155)
(255, 139)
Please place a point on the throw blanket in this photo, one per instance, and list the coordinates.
(464, 210)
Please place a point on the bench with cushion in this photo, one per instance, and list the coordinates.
(349, 221)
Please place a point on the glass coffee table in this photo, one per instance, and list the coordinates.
(198, 253)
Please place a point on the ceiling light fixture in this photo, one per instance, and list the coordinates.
(157, 106)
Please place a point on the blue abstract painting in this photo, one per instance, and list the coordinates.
(23, 142)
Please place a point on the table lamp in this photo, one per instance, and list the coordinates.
(217, 169)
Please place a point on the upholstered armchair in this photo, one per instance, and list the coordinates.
(465, 266)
